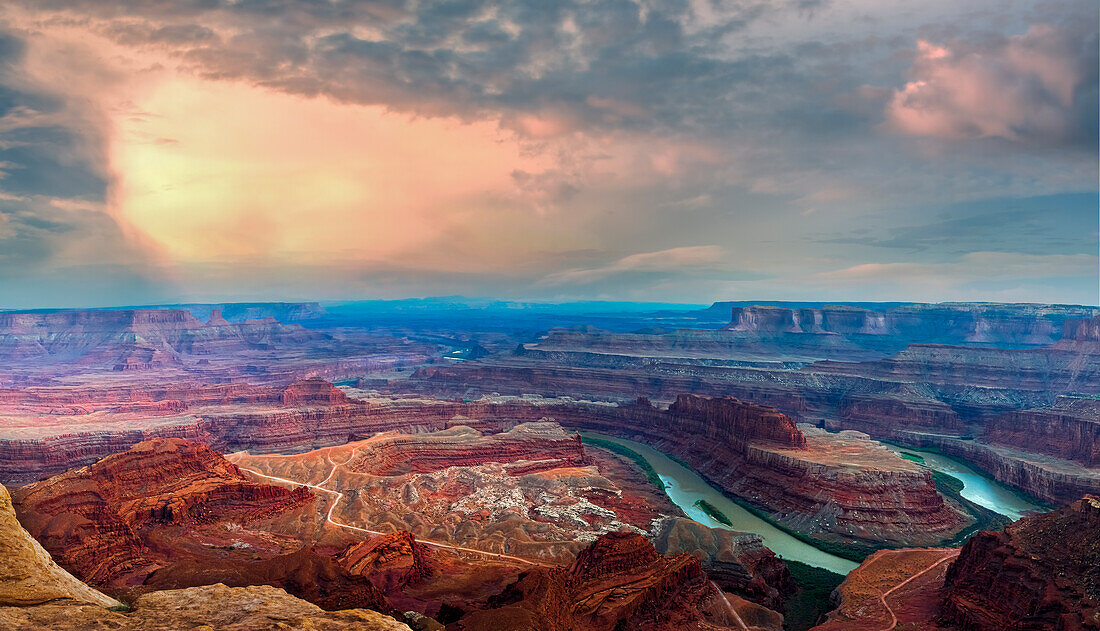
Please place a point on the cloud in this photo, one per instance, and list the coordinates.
(1040, 87)
(530, 147)
(663, 261)
(975, 276)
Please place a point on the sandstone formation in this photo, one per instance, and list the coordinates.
(543, 445)
(108, 522)
(1041, 572)
(258, 608)
(838, 332)
(618, 582)
(530, 492)
(307, 574)
(28, 575)
(950, 323)
(923, 395)
(391, 561)
(737, 562)
(134, 339)
(837, 486)
(1081, 334)
(1068, 429)
(779, 472)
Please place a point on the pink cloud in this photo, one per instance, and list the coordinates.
(1020, 88)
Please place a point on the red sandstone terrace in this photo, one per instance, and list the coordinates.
(869, 494)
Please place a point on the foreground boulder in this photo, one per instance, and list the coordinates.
(257, 608)
(28, 576)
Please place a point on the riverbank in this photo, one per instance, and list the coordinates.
(979, 486)
(685, 487)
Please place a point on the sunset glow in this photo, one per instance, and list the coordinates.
(356, 151)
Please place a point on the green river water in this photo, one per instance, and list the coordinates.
(685, 488)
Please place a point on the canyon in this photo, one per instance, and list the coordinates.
(1040, 572)
(36, 593)
(431, 466)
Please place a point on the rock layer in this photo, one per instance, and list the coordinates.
(619, 582)
(1068, 429)
(738, 562)
(98, 520)
(1041, 572)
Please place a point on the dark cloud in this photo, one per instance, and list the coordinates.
(57, 244)
(776, 131)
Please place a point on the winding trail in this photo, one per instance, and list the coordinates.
(948, 556)
(893, 618)
(339, 496)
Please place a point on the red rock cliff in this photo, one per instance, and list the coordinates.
(1042, 572)
(96, 520)
(619, 582)
(728, 419)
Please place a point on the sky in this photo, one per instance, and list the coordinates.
(679, 151)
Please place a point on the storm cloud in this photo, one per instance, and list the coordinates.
(606, 149)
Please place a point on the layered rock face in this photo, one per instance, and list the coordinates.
(530, 492)
(943, 323)
(1042, 572)
(1068, 429)
(544, 445)
(838, 486)
(729, 420)
(618, 582)
(35, 593)
(738, 562)
(837, 332)
(1081, 335)
(134, 339)
(391, 561)
(101, 521)
(920, 395)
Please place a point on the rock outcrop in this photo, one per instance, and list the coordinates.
(725, 419)
(102, 521)
(838, 486)
(1081, 334)
(257, 608)
(128, 339)
(391, 561)
(307, 574)
(1041, 572)
(1068, 429)
(947, 323)
(738, 562)
(618, 582)
(28, 575)
(543, 445)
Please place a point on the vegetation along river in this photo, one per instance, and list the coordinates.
(686, 488)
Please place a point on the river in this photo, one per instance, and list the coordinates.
(977, 488)
(685, 487)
